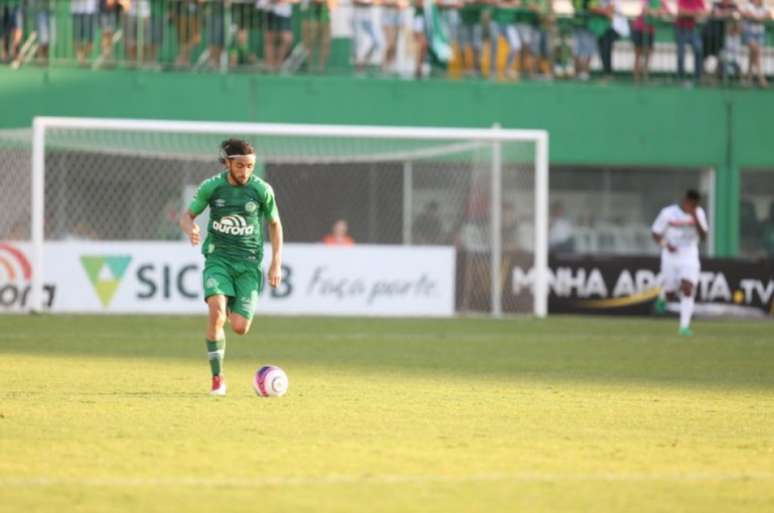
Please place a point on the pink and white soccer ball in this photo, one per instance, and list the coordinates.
(270, 381)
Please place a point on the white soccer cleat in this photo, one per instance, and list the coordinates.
(218, 386)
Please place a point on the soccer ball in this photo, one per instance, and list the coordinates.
(270, 381)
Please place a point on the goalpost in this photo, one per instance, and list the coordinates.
(113, 178)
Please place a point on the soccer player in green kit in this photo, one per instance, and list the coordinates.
(239, 203)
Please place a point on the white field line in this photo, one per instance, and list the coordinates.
(237, 482)
(364, 335)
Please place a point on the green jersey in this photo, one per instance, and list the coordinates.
(504, 15)
(237, 213)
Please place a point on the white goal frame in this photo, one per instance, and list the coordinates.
(494, 136)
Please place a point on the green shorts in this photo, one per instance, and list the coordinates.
(239, 281)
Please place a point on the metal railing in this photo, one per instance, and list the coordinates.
(243, 36)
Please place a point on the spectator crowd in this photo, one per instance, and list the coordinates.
(495, 39)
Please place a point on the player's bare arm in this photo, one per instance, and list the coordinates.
(190, 228)
(661, 241)
(275, 269)
(699, 228)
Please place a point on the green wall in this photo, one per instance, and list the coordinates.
(588, 123)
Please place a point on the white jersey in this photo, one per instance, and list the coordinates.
(678, 228)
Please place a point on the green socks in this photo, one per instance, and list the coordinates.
(216, 350)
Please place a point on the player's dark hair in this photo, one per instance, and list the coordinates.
(693, 195)
(231, 147)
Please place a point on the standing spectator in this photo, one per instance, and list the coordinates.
(527, 18)
(245, 16)
(601, 24)
(732, 48)
(391, 24)
(316, 28)
(450, 19)
(362, 28)
(108, 21)
(686, 33)
(419, 30)
(339, 235)
(11, 24)
(279, 34)
(428, 226)
(216, 31)
(545, 27)
(715, 34)
(42, 12)
(643, 35)
(755, 14)
(83, 12)
(585, 41)
(186, 18)
(471, 35)
(504, 24)
(138, 27)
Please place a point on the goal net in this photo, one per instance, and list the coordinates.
(483, 192)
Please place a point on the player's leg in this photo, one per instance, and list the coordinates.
(247, 284)
(670, 284)
(216, 342)
(689, 276)
(218, 287)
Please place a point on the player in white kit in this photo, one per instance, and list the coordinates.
(678, 230)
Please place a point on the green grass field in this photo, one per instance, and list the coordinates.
(111, 414)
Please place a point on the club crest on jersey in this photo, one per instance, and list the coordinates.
(233, 225)
(250, 207)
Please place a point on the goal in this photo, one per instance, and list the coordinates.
(482, 192)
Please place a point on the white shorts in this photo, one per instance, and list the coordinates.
(675, 270)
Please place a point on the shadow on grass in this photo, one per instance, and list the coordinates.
(722, 354)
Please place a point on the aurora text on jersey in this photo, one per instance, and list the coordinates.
(237, 213)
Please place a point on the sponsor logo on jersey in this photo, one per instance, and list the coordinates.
(233, 225)
(220, 202)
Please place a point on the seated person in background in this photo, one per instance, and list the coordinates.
(560, 231)
(767, 231)
(750, 228)
(239, 53)
(509, 228)
(428, 226)
(338, 235)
